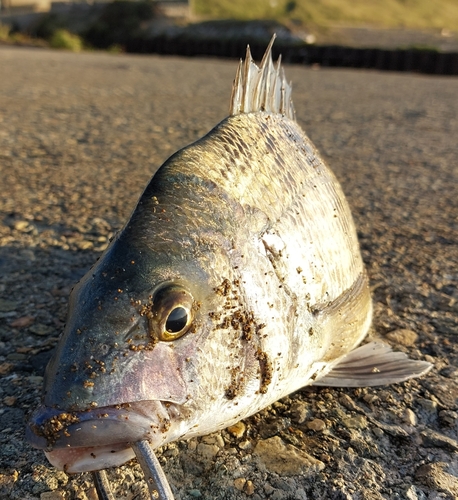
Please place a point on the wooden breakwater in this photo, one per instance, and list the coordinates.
(409, 60)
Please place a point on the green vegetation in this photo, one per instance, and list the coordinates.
(108, 26)
(380, 13)
(4, 32)
(63, 39)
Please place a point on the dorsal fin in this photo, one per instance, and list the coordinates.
(261, 89)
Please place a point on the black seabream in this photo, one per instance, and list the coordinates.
(237, 280)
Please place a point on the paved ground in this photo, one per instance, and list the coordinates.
(80, 135)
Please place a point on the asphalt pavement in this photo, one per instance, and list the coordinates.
(81, 134)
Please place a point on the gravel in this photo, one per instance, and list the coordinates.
(81, 134)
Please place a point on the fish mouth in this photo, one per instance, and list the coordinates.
(95, 439)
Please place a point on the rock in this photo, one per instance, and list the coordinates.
(41, 329)
(448, 417)
(428, 405)
(22, 322)
(237, 430)
(409, 417)
(402, 337)
(35, 379)
(391, 429)
(215, 439)
(16, 356)
(92, 494)
(5, 368)
(52, 495)
(239, 483)
(8, 305)
(10, 400)
(273, 428)
(299, 412)
(414, 493)
(286, 459)
(245, 445)
(316, 425)
(195, 493)
(207, 451)
(433, 476)
(192, 444)
(358, 422)
(438, 440)
(249, 488)
(23, 226)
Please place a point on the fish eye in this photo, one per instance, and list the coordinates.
(172, 313)
(177, 320)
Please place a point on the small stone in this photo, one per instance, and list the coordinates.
(85, 245)
(192, 444)
(195, 493)
(428, 405)
(16, 356)
(22, 225)
(450, 372)
(249, 488)
(5, 368)
(214, 439)
(438, 440)
(207, 451)
(410, 417)
(434, 476)
(274, 428)
(52, 495)
(358, 422)
(402, 337)
(22, 322)
(448, 417)
(8, 305)
(35, 379)
(41, 329)
(237, 430)
(268, 489)
(245, 445)
(391, 429)
(414, 493)
(239, 483)
(10, 400)
(370, 398)
(299, 412)
(92, 494)
(286, 459)
(377, 432)
(171, 452)
(316, 425)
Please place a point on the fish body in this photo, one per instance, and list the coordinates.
(237, 280)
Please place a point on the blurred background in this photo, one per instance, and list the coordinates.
(406, 35)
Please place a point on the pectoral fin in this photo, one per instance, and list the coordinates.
(373, 364)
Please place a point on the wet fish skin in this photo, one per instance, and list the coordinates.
(253, 230)
(231, 232)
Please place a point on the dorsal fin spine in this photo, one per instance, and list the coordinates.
(237, 88)
(262, 88)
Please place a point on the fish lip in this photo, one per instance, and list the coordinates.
(87, 459)
(51, 429)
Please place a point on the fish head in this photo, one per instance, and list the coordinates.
(138, 352)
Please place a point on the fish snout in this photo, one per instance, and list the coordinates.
(95, 439)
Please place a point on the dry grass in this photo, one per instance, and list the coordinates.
(380, 13)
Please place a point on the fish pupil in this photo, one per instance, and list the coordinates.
(177, 320)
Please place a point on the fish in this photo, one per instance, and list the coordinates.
(237, 280)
